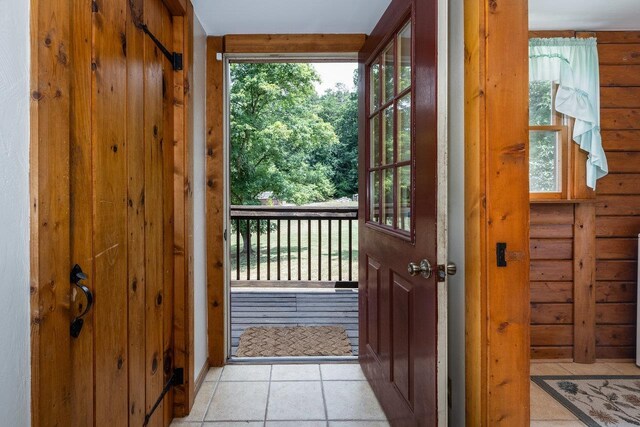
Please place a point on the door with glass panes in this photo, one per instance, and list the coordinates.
(398, 194)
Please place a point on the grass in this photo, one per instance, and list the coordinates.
(319, 271)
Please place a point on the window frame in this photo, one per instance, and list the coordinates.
(572, 159)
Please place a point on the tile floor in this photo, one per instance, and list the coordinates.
(546, 411)
(309, 395)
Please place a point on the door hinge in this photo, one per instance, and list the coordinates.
(225, 235)
(177, 378)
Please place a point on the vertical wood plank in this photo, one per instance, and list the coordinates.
(183, 213)
(214, 202)
(497, 210)
(81, 198)
(584, 285)
(49, 184)
(110, 211)
(135, 212)
(154, 211)
(167, 145)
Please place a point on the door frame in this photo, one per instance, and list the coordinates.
(300, 46)
(496, 210)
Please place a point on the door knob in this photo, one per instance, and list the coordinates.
(424, 269)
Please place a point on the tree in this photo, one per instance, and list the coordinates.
(339, 107)
(275, 128)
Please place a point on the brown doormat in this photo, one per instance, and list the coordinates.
(262, 341)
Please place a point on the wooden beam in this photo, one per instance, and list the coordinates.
(294, 43)
(584, 284)
(177, 7)
(214, 204)
(51, 360)
(497, 210)
(183, 213)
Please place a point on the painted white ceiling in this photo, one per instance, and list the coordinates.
(590, 15)
(220, 17)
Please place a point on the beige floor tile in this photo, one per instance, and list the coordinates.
(545, 407)
(239, 401)
(342, 372)
(296, 400)
(597, 368)
(200, 404)
(358, 424)
(233, 424)
(548, 369)
(295, 373)
(557, 423)
(246, 373)
(351, 400)
(625, 368)
(296, 424)
(213, 374)
(175, 423)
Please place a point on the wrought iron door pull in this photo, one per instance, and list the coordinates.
(77, 275)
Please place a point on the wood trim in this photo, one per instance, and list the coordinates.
(178, 7)
(184, 395)
(214, 203)
(584, 284)
(201, 376)
(497, 210)
(547, 33)
(51, 364)
(294, 43)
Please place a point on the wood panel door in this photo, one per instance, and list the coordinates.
(398, 212)
(111, 180)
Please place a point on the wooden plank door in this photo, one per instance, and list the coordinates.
(398, 212)
(106, 171)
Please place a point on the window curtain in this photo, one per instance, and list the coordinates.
(573, 64)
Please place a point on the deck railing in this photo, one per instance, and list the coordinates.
(294, 243)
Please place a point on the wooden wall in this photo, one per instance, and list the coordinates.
(617, 224)
(104, 104)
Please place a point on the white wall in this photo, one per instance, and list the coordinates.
(14, 213)
(456, 212)
(199, 238)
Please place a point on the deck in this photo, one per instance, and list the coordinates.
(294, 308)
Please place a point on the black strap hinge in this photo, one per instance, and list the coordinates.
(177, 378)
(174, 57)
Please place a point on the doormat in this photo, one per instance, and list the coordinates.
(259, 341)
(597, 400)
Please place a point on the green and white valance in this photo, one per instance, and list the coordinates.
(573, 64)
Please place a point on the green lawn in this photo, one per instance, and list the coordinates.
(319, 272)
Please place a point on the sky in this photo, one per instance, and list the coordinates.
(333, 73)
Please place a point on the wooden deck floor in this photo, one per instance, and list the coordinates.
(257, 308)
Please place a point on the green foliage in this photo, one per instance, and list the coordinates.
(276, 129)
(339, 107)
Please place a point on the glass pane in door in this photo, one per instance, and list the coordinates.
(404, 58)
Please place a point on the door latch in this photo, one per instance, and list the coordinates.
(446, 270)
(77, 276)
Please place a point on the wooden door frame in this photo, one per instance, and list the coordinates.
(50, 194)
(216, 161)
(496, 210)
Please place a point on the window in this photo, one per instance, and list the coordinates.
(390, 135)
(548, 141)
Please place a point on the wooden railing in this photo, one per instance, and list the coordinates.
(293, 243)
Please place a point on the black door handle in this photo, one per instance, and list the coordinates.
(77, 276)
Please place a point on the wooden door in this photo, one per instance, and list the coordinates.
(112, 182)
(398, 176)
